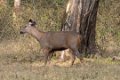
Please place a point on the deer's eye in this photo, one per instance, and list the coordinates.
(32, 24)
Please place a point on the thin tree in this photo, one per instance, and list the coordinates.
(2, 2)
(80, 16)
(16, 12)
(17, 4)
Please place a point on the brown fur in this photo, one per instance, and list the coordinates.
(53, 41)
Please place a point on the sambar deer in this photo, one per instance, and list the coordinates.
(54, 41)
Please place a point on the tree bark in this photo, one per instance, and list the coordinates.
(2, 2)
(16, 14)
(80, 16)
(17, 4)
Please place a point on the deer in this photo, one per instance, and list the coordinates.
(54, 41)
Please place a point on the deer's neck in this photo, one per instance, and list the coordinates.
(36, 33)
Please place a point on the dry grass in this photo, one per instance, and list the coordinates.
(34, 71)
(108, 27)
(20, 61)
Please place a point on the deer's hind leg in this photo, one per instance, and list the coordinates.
(78, 55)
(72, 57)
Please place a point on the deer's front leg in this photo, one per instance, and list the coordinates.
(62, 57)
(46, 52)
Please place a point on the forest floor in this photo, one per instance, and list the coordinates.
(27, 66)
(90, 69)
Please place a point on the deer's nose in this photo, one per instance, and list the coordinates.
(21, 32)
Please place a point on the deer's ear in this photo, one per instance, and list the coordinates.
(31, 20)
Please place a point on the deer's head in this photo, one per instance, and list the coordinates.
(28, 27)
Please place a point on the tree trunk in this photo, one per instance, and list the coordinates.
(16, 14)
(17, 4)
(17, 7)
(2, 2)
(80, 16)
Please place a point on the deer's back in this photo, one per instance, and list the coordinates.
(61, 39)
